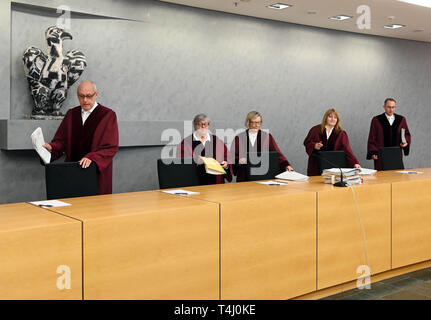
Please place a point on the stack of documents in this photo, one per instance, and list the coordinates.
(292, 175)
(38, 141)
(212, 166)
(350, 176)
(367, 172)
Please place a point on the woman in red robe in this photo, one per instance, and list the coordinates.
(203, 143)
(328, 136)
(254, 140)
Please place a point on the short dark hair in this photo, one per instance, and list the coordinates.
(389, 99)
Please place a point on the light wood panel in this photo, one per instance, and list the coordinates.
(268, 240)
(340, 239)
(411, 222)
(148, 245)
(34, 243)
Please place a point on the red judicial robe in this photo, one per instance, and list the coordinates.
(382, 134)
(191, 148)
(265, 142)
(96, 140)
(334, 143)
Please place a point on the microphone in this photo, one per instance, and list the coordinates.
(340, 183)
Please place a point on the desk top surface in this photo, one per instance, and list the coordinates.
(131, 203)
(22, 215)
(19, 216)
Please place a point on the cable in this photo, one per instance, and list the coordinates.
(362, 226)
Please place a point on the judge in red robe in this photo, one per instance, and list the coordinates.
(203, 143)
(88, 133)
(385, 131)
(328, 136)
(254, 140)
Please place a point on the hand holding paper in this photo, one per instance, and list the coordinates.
(38, 142)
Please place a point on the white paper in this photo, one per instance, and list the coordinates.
(50, 203)
(403, 135)
(38, 141)
(367, 172)
(180, 192)
(273, 183)
(292, 175)
(411, 172)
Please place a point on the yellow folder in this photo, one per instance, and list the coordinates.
(212, 166)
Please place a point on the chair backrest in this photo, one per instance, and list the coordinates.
(177, 172)
(262, 166)
(331, 159)
(69, 179)
(391, 158)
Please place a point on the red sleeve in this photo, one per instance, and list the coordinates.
(403, 124)
(351, 159)
(281, 158)
(184, 149)
(223, 154)
(311, 139)
(373, 138)
(105, 142)
(59, 142)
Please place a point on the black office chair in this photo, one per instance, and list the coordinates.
(262, 166)
(177, 172)
(69, 179)
(391, 158)
(331, 159)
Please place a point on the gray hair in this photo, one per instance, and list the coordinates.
(200, 117)
(94, 85)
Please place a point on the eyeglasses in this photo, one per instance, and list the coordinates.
(204, 124)
(88, 96)
(255, 122)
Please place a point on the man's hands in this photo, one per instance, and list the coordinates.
(85, 162)
(47, 146)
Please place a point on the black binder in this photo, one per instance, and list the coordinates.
(69, 179)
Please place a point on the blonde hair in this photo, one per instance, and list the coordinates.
(251, 115)
(337, 127)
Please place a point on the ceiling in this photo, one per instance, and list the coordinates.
(417, 19)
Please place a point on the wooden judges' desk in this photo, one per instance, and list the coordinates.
(267, 239)
(304, 240)
(148, 245)
(39, 252)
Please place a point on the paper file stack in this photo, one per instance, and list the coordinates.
(350, 176)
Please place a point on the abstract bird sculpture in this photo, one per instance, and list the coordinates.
(50, 75)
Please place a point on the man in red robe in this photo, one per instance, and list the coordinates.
(385, 131)
(88, 133)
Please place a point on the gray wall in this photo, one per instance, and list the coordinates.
(162, 62)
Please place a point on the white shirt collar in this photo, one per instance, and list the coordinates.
(391, 118)
(207, 138)
(328, 133)
(252, 137)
